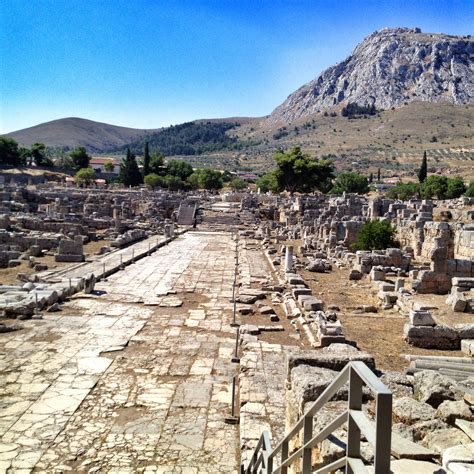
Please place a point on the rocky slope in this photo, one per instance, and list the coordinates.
(388, 69)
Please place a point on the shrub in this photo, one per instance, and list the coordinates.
(152, 180)
(350, 182)
(376, 235)
(404, 191)
(470, 190)
(85, 175)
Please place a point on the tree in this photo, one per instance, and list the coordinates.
(157, 163)
(298, 172)
(456, 188)
(146, 160)
(152, 180)
(267, 183)
(39, 155)
(85, 175)
(350, 182)
(227, 176)
(173, 182)
(109, 166)
(80, 158)
(206, 178)
(129, 173)
(9, 152)
(423, 171)
(179, 168)
(404, 191)
(237, 184)
(376, 235)
(470, 190)
(371, 178)
(378, 175)
(434, 186)
(442, 187)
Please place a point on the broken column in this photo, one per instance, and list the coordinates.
(289, 258)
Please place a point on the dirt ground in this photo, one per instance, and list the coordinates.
(8, 276)
(381, 333)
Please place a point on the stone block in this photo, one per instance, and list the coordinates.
(432, 337)
(421, 318)
(355, 275)
(376, 275)
(467, 346)
(300, 291)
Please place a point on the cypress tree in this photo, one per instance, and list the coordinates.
(129, 173)
(371, 177)
(146, 160)
(378, 175)
(423, 171)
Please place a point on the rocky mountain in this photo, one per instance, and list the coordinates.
(390, 68)
(70, 132)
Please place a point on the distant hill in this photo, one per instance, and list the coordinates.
(390, 68)
(192, 138)
(70, 132)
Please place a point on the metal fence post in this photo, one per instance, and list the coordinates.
(353, 431)
(236, 357)
(383, 433)
(307, 435)
(284, 456)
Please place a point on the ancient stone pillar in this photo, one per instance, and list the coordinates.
(289, 258)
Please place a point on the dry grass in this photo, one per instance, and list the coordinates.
(381, 333)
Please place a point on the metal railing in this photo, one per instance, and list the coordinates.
(378, 433)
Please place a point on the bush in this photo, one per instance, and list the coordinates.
(350, 182)
(267, 183)
(456, 188)
(404, 191)
(85, 175)
(353, 109)
(206, 178)
(152, 180)
(237, 184)
(470, 190)
(376, 235)
(441, 187)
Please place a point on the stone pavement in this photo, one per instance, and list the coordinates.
(131, 380)
(109, 261)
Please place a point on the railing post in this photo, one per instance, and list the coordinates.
(383, 433)
(307, 435)
(353, 431)
(284, 457)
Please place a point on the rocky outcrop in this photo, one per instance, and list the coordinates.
(388, 69)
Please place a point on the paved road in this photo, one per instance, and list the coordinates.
(128, 381)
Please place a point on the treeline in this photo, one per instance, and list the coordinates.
(352, 110)
(191, 138)
(12, 154)
(38, 154)
(433, 187)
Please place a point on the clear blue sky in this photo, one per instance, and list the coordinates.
(151, 63)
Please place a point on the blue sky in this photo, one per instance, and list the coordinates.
(150, 63)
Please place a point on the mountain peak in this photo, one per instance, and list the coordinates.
(389, 68)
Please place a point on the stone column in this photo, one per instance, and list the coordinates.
(289, 258)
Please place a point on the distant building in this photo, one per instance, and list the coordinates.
(247, 175)
(98, 164)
